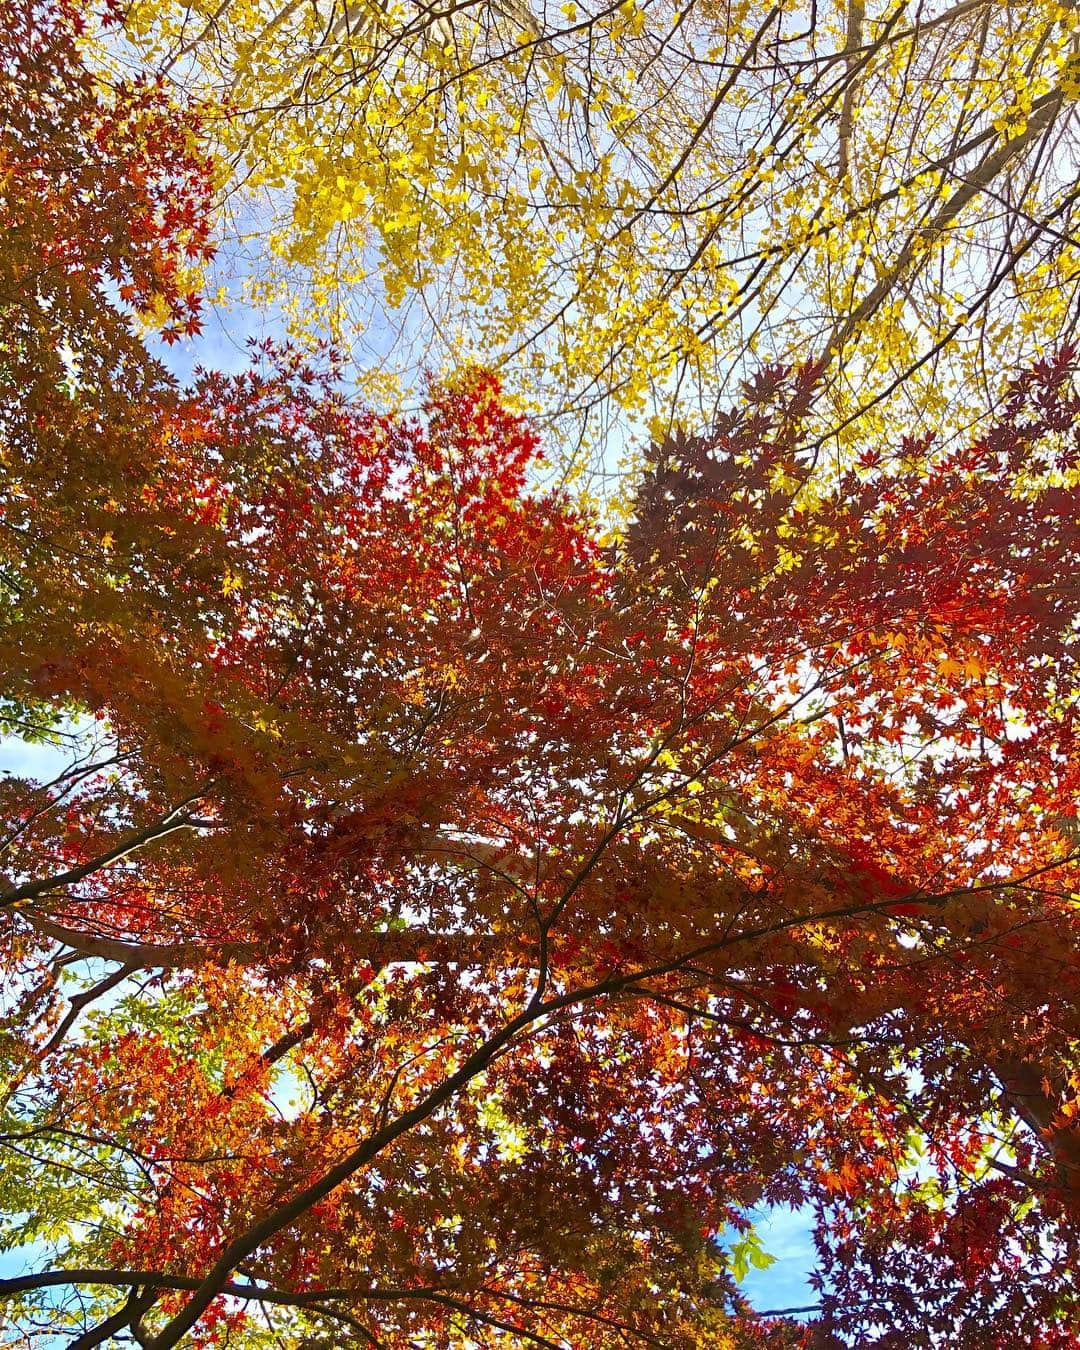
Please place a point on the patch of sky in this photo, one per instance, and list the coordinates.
(786, 1235)
(23, 1259)
(224, 344)
(26, 759)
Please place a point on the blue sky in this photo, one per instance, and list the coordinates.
(785, 1234)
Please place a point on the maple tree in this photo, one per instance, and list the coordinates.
(454, 920)
(104, 214)
(630, 205)
(501, 915)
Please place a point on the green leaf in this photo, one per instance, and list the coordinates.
(748, 1252)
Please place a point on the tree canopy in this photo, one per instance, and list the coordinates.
(632, 205)
(452, 919)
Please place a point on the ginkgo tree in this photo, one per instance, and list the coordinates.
(454, 920)
(630, 205)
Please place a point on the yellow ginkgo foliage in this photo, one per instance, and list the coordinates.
(627, 206)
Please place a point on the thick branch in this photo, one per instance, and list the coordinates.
(1031, 1096)
(158, 829)
(142, 955)
(138, 1301)
(855, 17)
(990, 167)
(406, 946)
